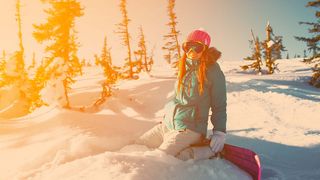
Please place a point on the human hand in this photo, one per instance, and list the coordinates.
(217, 141)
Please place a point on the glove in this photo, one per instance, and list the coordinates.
(217, 141)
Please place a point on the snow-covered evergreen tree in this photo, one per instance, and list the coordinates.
(271, 48)
(59, 31)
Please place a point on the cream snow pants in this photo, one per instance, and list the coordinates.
(170, 141)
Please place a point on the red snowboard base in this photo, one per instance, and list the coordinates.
(244, 158)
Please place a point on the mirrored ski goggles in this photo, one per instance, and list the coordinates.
(198, 47)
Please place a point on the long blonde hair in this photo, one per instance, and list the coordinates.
(201, 71)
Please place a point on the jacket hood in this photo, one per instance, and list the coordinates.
(213, 55)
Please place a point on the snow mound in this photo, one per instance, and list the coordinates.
(137, 162)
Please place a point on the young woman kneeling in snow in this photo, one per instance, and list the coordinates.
(200, 86)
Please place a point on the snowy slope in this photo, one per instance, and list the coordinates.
(277, 116)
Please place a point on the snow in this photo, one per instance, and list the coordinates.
(277, 116)
(270, 43)
(11, 105)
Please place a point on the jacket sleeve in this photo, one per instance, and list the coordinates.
(218, 98)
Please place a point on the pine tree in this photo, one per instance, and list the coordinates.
(304, 54)
(47, 70)
(277, 48)
(123, 30)
(256, 55)
(315, 78)
(2, 68)
(288, 57)
(96, 60)
(314, 30)
(33, 64)
(271, 48)
(313, 43)
(83, 62)
(18, 15)
(172, 44)
(106, 54)
(142, 51)
(19, 56)
(150, 61)
(59, 31)
(15, 75)
(313, 48)
(105, 61)
(15, 67)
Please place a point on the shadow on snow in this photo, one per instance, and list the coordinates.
(298, 88)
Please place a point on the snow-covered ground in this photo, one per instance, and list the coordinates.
(277, 116)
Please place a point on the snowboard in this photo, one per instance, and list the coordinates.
(244, 158)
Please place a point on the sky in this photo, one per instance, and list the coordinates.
(227, 21)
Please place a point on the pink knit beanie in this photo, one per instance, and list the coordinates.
(199, 35)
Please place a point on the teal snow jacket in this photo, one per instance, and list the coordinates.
(190, 110)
